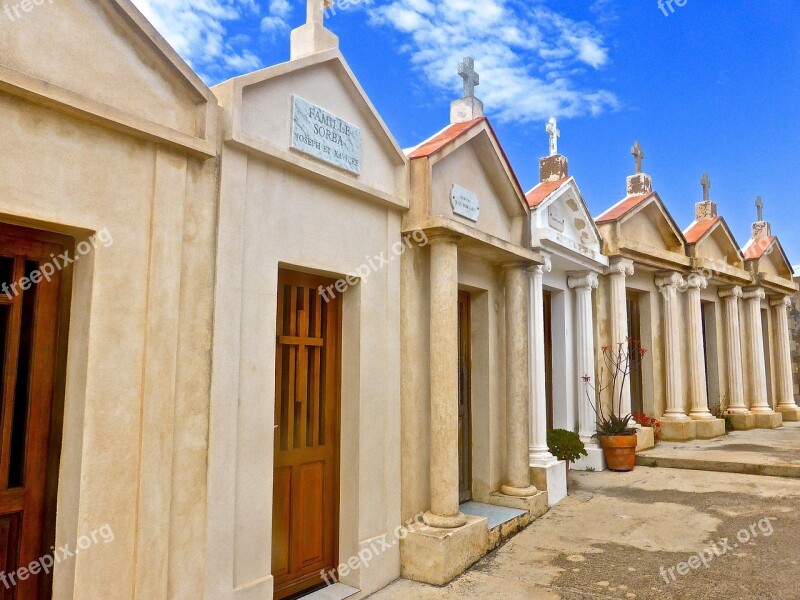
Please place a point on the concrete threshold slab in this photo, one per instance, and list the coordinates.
(337, 591)
(496, 515)
(720, 466)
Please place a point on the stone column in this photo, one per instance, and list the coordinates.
(584, 284)
(733, 353)
(785, 402)
(518, 482)
(754, 359)
(669, 285)
(443, 358)
(698, 390)
(618, 327)
(538, 452)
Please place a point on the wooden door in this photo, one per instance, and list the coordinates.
(548, 356)
(28, 334)
(464, 397)
(635, 333)
(306, 477)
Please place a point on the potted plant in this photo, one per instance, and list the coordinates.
(616, 431)
(566, 445)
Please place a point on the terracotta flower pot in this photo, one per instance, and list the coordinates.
(620, 451)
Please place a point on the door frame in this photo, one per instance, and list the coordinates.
(465, 353)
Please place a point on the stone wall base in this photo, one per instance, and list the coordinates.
(645, 438)
(769, 421)
(790, 414)
(710, 428)
(743, 422)
(596, 461)
(553, 479)
(678, 431)
(437, 556)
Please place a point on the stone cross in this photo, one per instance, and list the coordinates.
(760, 207)
(316, 10)
(706, 183)
(554, 133)
(638, 155)
(471, 79)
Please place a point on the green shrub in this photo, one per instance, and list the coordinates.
(565, 445)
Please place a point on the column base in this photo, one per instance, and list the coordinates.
(761, 410)
(701, 415)
(535, 505)
(645, 438)
(678, 431)
(789, 413)
(437, 556)
(518, 492)
(443, 522)
(743, 422)
(552, 478)
(769, 420)
(710, 428)
(595, 461)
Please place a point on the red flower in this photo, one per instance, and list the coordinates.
(642, 351)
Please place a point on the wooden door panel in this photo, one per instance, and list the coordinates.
(28, 340)
(307, 433)
(464, 397)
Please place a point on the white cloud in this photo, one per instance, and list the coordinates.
(198, 32)
(529, 56)
(279, 11)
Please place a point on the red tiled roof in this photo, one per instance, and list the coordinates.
(755, 249)
(623, 208)
(445, 137)
(698, 229)
(542, 191)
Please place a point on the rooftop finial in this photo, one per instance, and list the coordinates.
(706, 183)
(760, 208)
(312, 37)
(638, 156)
(555, 134)
(468, 107)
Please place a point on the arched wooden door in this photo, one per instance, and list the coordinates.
(29, 315)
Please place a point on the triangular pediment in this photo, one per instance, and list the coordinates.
(107, 52)
(651, 224)
(563, 218)
(774, 261)
(719, 244)
(263, 104)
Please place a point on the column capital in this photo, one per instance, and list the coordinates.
(777, 302)
(672, 280)
(621, 266)
(696, 281)
(731, 292)
(754, 294)
(443, 238)
(586, 280)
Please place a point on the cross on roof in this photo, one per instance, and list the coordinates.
(316, 10)
(471, 78)
(760, 207)
(554, 133)
(706, 183)
(638, 155)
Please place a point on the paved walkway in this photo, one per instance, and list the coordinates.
(613, 535)
(758, 452)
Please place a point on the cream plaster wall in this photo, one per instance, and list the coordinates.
(485, 283)
(284, 210)
(138, 366)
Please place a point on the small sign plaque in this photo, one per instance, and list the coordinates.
(465, 203)
(325, 136)
(555, 218)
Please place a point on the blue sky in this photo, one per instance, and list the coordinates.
(711, 87)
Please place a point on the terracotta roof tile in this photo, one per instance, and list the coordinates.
(698, 229)
(542, 191)
(439, 141)
(623, 208)
(755, 249)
